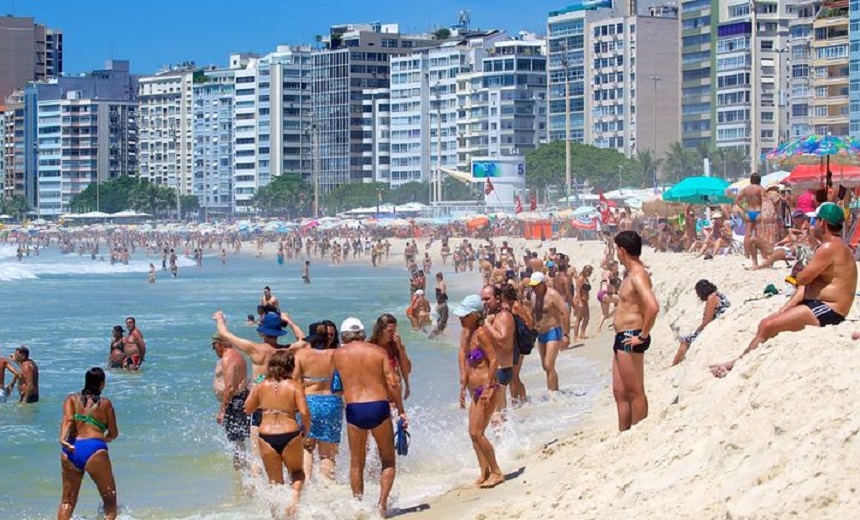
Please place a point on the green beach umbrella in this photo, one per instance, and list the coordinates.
(699, 190)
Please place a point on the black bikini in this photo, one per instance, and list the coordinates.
(279, 441)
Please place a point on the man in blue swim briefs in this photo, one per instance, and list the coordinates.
(368, 380)
(750, 201)
(825, 287)
(552, 319)
(635, 314)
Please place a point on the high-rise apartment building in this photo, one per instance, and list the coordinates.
(86, 131)
(424, 104)
(355, 58)
(698, 27)
(376, 134)
(566, 68)
(854, 67)
(213, 141)
(13, 149)
(166, 123)
(2, 152)
(272, 121)
(634, 69)
(800, 69)
(28, 52)
(830, 70)
(502, 105)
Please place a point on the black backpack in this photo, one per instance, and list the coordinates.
(525, 337)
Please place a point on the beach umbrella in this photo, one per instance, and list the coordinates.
(817, 145)
(771, 179)
(478, 221)
(699, 190)
(813, 176)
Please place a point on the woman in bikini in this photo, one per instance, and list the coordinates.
(88, 424)
(280, 398)
(608, 293)
(385, 335)
(478, 364)
(116, 358)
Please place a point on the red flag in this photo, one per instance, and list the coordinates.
(489, 187)
(533, 204)
(603, 200)
(518, 204)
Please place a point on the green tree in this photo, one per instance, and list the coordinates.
(109, 196)
(680, 162)
(353, 195)
(286, 195)
(15, 206)
(453, 189)
(598, 166)
(732, 162)
(409, 192)
(443, 33)
(646, 165)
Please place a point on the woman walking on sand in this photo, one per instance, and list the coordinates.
(478, 364)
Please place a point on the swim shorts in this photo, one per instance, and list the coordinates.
(236, 422)
(504, 375)
(823, 313)
(619, 345)
(326, 417)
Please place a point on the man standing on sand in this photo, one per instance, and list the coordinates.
(368, 381)
(231, 390)
(635, 314)
(500, 324)
(6, 364)
(552, 317)
(825, 287)
(750, 201)
(28, 381)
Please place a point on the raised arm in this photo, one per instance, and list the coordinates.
(300, 334)
(247, 347)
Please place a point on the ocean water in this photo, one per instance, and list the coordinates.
(171, 459)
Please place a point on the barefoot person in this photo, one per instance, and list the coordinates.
(552, 317)
(750, 201)
(28, 380)
(581, 304)
(478, 364)
(89, 423)
(314, 368)
(635, 314)
(501, 326)
(280, 399)
(368, 381)
(716, 304)
(825, 287)
(231, 390)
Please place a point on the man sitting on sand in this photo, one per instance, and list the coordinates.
(825, 287)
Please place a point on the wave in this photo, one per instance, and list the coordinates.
(33, 267)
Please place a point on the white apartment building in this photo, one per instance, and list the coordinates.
(81, 141)
(2, 152)
(503, 105)
(800, 69)
(633, 65)
(213, 141)
(272, 121)
(166, 127)
(376, 134)
(424, 103)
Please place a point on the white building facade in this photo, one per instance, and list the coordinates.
(213, 142)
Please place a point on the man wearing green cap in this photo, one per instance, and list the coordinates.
(825, 287)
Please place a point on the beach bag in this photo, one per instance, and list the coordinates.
(525, 337)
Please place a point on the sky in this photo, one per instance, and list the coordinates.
(155, 33)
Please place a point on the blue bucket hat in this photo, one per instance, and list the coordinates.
(271, 325)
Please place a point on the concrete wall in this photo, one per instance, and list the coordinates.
(657, 54)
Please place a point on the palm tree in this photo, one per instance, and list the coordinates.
(646, 165)
(736, 162)
(680, 162)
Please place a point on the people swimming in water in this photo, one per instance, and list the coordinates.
(88, 425)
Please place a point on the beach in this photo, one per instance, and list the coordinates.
(776, 438)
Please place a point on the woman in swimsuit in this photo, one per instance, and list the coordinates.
(580, 304)
(280, 439)
(608, 293)
(88, 424)
(315, 370)
(116, 358)
(478, 366)
(716, 305)
(385, 335)
(510, 297)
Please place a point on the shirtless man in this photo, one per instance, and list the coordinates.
(6, 364)
(561, 281)
(553, 325)
(134, 347)
(750, 201)
(534, 263)
(368, 383)
(270, 299)
(500, 324)
(231, 390)
(825, 287)
(28, 380)
(635, 314)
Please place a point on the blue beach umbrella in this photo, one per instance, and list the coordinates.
(699, 190)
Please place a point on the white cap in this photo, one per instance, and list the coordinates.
(537, 278)
(419, 292)
(352, 325)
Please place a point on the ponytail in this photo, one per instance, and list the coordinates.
(93, 381)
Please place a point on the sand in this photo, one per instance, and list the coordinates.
(776, 438)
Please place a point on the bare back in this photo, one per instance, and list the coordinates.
(365, 371)
(314, 368)
(753, 195)
(836, 282)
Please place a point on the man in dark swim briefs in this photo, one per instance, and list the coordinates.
(368, 381)
(502, 327)
(825, 287)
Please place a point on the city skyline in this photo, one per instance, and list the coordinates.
(158, 38)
